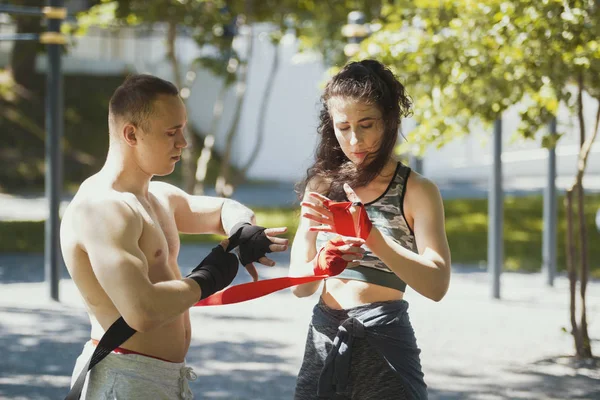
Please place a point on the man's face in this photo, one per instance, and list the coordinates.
(161, 143)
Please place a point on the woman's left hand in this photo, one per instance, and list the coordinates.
(323, 216)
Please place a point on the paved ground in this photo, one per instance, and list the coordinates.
(473, 347)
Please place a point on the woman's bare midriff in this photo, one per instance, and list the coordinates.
(347, 293)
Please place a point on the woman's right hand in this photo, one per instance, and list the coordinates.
(338, 254)
(320, 213)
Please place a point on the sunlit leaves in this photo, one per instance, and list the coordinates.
(461, 60)
(468, 60)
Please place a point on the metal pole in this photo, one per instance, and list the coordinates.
(495, 213)
(54, 132)
(550, 218)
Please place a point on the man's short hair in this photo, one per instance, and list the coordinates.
(133, 100)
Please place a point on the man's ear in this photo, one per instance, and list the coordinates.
(130, 134)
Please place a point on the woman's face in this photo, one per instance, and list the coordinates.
(358, 127)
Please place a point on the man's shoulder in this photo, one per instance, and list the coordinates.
(169, 195)
(91, 204)
(160, 188)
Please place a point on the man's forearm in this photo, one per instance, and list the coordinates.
(159, 303)
(171, 299)
(232, 213)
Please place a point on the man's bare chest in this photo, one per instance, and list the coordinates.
(159, 240)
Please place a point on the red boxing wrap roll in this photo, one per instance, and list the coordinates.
(344, 223)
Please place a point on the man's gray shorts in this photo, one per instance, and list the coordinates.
(133, 377)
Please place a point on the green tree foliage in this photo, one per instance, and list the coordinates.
(465, 60)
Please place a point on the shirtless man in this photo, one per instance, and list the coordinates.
(119, 239)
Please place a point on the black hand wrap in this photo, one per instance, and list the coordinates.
(252, 241)
(215, 272)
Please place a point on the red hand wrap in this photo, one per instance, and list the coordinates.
(344, 223)
(329, 263)
(329, 259)
(253, 290)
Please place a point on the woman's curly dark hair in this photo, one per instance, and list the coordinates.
(373, 83)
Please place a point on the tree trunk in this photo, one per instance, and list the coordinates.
(581, 336)
(209, 140)
(586, 350)
(188, 157)
(571, 269)
(223, 187)
(260, 134)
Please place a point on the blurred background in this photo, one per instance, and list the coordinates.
(505, 113)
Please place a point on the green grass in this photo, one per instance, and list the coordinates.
(21, 236)
(466, 226)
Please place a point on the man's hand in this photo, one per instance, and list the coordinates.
(254, 242)
(216, 271)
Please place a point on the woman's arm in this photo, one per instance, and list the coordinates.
(304, 250)
(303, 253)
(429, 271)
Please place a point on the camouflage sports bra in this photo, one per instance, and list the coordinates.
(387, 214)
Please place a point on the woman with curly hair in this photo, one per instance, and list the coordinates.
(377, 227)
